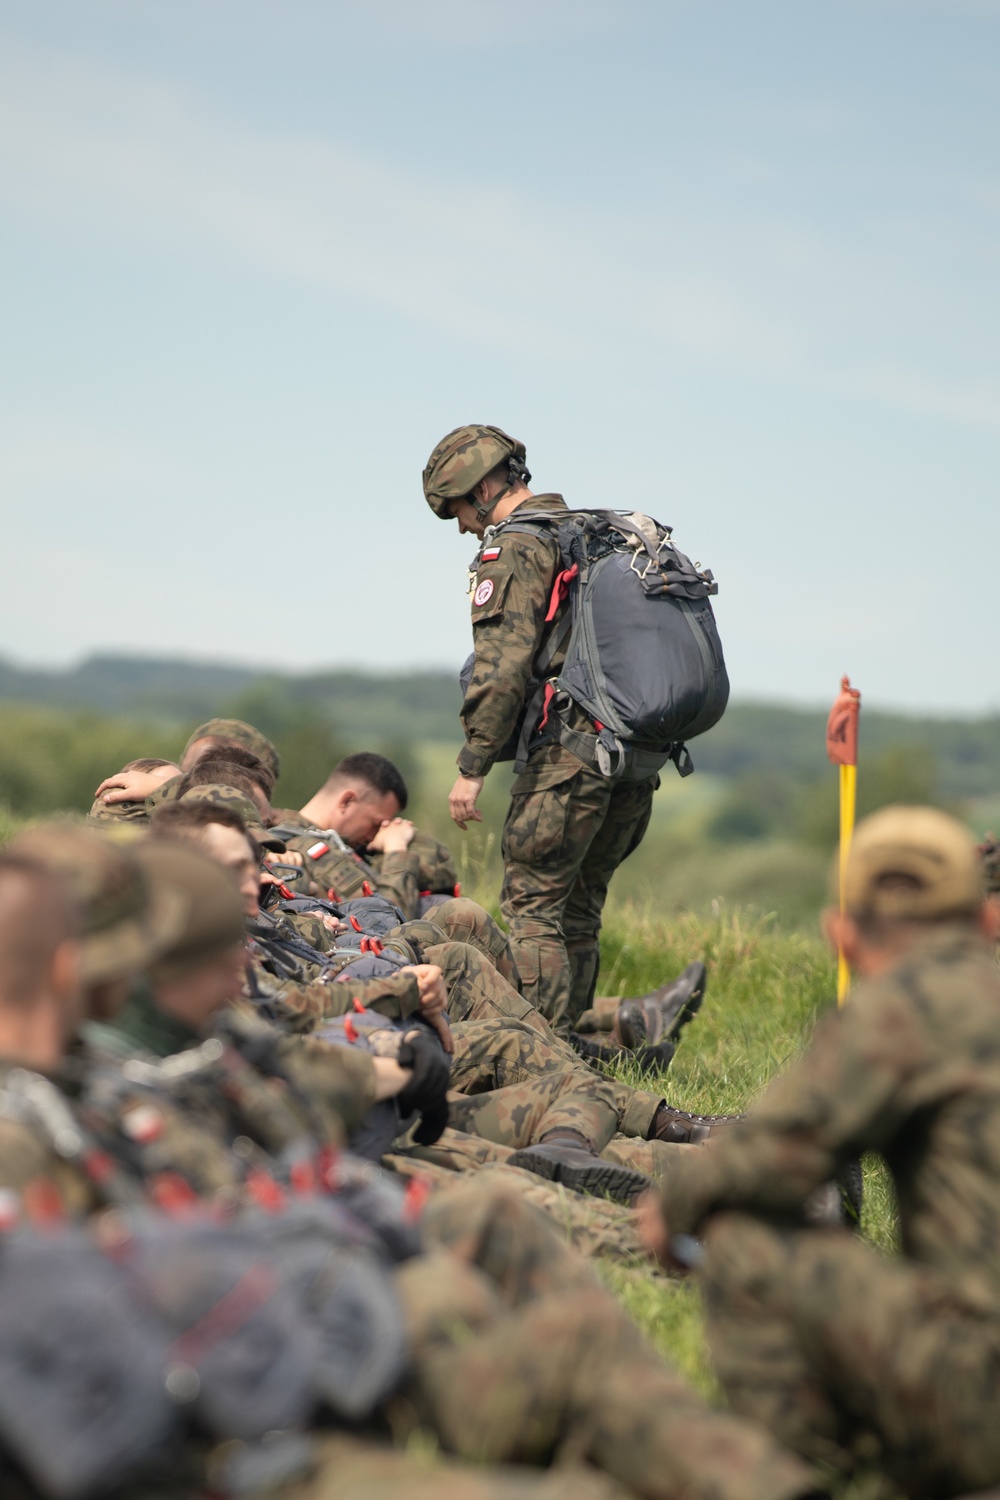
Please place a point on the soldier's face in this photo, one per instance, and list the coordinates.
(468, 521)
(231, 849)
(361, 813)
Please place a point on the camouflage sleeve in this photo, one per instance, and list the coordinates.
(398, 879)
(849, 1093)
(301, 1007)
(165, 792)
(34, 1181)
(334, 870)
(509, 604)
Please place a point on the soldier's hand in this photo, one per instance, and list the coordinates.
(430, 986)
(394, 837)
(652, 1228)
(462, 800)
(286, 857)
(134, 786)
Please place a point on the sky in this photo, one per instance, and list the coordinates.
(732, 264)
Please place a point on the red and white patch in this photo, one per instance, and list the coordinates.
(316, 851)
(484, 593)
(490, 554)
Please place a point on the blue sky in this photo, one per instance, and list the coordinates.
(731, 263)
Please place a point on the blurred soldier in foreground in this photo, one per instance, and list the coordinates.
(845, 1356)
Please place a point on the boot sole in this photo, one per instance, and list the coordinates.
(603, 1179)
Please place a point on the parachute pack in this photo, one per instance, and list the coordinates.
(643, 656)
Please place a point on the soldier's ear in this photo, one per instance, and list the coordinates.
(841, 932)
(989, 919)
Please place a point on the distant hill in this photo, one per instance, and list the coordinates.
(386, 708)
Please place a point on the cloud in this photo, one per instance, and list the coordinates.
(129, 156)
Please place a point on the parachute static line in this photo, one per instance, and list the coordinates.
(842, 748)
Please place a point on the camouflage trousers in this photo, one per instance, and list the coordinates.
(351, 1468)
(460, 920)
(567, 831)
(476, 992)
(593, 1225)
(848, 1357)
(512, 1087)
(518, 1354)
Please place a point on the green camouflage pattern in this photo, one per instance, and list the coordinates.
(244, 734)
(812, 1331)
(517, 1352)
(118, 812)
(436, 869)
(567, 831)
(512, 1088)
(342, 874)
(508, 628)
(460, 920)
(461, 459)
(989, 854)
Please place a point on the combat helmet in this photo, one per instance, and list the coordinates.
(466, 456)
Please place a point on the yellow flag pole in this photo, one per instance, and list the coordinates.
(848, 802)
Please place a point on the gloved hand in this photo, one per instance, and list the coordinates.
(427, 1091)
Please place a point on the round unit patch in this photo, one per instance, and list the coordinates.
(484, 593)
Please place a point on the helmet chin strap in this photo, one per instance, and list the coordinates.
(519, 474)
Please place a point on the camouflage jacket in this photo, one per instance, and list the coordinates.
(511, 581)
(340, 872)
(910, 1067)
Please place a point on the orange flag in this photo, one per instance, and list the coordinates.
(842, 748)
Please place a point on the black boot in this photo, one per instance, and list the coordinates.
(664, 1012)
(575, 1164)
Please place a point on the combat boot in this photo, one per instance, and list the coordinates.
(652, 1019)
(566, 1158)
(685, 1129)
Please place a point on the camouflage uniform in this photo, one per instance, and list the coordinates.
(518, 1353)
(341, 873)
(568, 827)
(843, 1354)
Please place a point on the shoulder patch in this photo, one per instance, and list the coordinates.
(484, 593)
(490, 554)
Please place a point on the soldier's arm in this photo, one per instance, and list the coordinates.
(301, 1007)
(847, 1094)
(507, 628)
(398, 879)
(333, 870)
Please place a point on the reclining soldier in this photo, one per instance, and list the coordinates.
(844, 1355)
(499, 1318)
(512, 1085)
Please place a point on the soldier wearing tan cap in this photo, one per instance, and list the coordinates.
(847, 1356)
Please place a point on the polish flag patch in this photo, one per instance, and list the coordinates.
(316, 851)
(490, 554)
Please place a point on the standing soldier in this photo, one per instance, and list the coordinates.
(569, 826)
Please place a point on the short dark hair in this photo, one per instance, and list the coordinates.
(185, 820)
(210, 772)
(375, 771)
(239, 755)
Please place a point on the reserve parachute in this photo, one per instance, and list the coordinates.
(643, 656)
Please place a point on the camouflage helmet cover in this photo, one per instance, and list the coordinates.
(462, 459)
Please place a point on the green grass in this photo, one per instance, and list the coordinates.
(766, 987)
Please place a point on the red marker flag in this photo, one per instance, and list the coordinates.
(842, 726)
(842, 748)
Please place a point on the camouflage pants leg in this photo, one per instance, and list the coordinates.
(847, 1357)
(492, 1054)
(561, 811)
(518, 1354)
(350, 1468)
(464, 921)
(592, 1225)
(622, 831)
(476, 992)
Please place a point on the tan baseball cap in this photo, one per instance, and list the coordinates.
(126, 923)
(912, 864)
